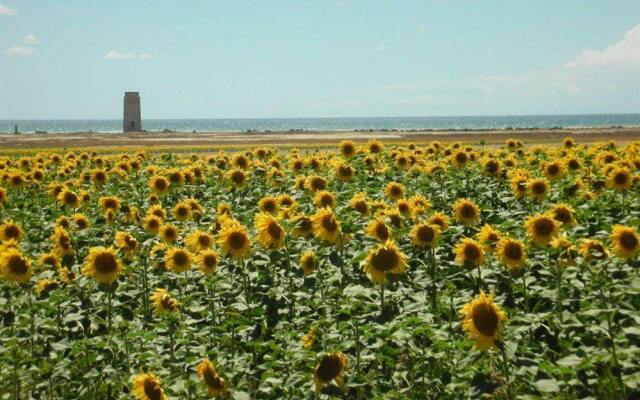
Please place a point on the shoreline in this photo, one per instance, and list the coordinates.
(235, 139)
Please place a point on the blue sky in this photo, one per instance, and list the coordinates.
(322, 58)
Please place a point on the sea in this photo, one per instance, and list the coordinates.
(329, 124)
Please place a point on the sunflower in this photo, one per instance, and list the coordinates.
(168, 233)
(126, 243)
(314, 183)
(332, 366)
(518, 182)
(308, 262)
(3, 196)
(269, 232)
(394, 190)
(419, 204)
(44, 286)
(592, 249)
(178, 260)
(538, 189)
(324, 198)
(68, 198)
(326, 226)
(308, 339)
(425, 235)
(146, 386)
(553, 170)
(156, 210)
(102, 264)
(215, 384)
(50, 259)
(237, 177)
(460, 159)
(14, 266)
(344, 172)
(10, 230)
(62, 243)
(109, 203)
(466, 211)
(208, 261)
(182, 211)
(163, 302)
(375, 146)
(302, 226)
(483, 321)
(81, 221)
(511, 253)
(439, 219)
(564, 214)
(384, 259)
(347, 148)
(224, 209)
(159, 185)
(234, 240)
(625, 241)
(541, 228)
(378, 230)
(620, 179)
(491, 167)
(488, 237)
(198, 241)
(469, 253)
(152, 224)
(99, 176)
(359, 203)
(268, 204)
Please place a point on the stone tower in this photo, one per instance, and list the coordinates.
(132, 121)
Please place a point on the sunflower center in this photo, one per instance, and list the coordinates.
(204, 240)
(384, 259)
(17, 265)
(467, 211)
(106, 263)
(161, 184)
(425, 234)
(274, 230)
(620, 178)
(329, 368)
(360, 206)
(491, 167)
(12, 231)
(461, 158)
(236, 240)
(628, 240)
(110, 203)
(180, 258)
(597, 251)
(152, 389)
(329, 223)
(381, 231)
(485, 319)
(543, 227)
(563, 215)
(182, 211)
(210, 261)
(70, 198)
(318, 184)
(237, 177)
(212, 379)
(471, 252)
(539, 188)
(513, 251)
(553, 169)
(269, 206)
(395, 191)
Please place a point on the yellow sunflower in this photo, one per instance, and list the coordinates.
(511, 253)
(182, 211)
(347, 148)
(564, 214)
(326, 226)
(439, 219)
(268, 204)
(625, 241)
(620, 179)
(81, 221)
(234, 240)
(425, 235)
(469, 253)
(126, 243)
(269, 232)
(592, 249)
(62, 244)
(483, 321)
(541, 228)
(208, 261)
(10, 230)
(359, 203)
(68, 198)
(102, 264)
(378, 230)
(308, 262)
(331, 367)
(178, 260)
(159, 185)
(538, 189)
(168, 233)
(199, 241)
(146, 386)
(302, 226)
(109, 203)
(50, 259)
(15, 266)
(394, 190)
(324, 198)
(215, 384)
(384, 259)
(467, 212)
(163, 302)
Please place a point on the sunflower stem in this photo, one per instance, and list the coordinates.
(524, 291)
(382, 299)
(505, 367)
(480, 283)
(109, 308)
(434, 287)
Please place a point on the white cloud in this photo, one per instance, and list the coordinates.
(30, 39)
(626, 52)
(115, 55)
(4, 10)
(145, 56)
(20, 51)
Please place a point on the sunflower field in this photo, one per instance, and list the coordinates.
(359, 271)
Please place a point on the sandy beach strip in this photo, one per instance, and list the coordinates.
(238, 139)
